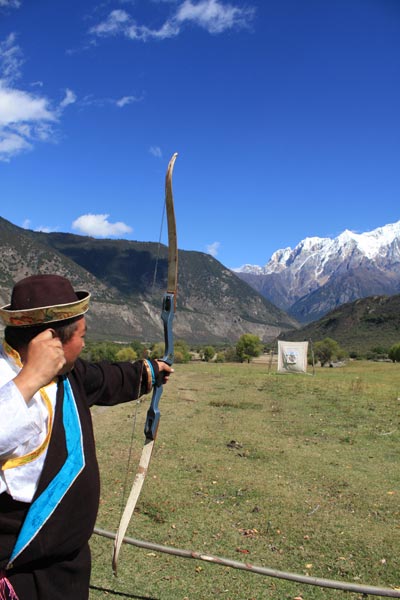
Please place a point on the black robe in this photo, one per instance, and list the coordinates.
(56, 563)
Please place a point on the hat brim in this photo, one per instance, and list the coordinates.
(45, 314)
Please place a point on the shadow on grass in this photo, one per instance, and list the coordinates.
(121, 594)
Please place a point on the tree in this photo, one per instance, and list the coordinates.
(181, 351)
(394, 353)
(208, 353)
(327, 350)
(157, 350)
(103, 351)
(248, 346)
(230, 354)
(139, 348)
(126, 354)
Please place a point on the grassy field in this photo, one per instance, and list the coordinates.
(293, 472)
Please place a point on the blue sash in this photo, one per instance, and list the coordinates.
(44, 506)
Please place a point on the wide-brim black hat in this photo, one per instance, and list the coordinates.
(40, 299)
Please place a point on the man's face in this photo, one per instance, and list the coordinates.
(74, 346)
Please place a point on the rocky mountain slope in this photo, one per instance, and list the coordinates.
(320, 274)
(362, 326)
(214, 305)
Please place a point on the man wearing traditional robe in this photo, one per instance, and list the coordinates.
(49, 478)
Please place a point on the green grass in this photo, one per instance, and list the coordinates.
(291, 472)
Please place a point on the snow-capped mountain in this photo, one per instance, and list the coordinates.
(321, 273)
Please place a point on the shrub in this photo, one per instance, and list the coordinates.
(394, 353)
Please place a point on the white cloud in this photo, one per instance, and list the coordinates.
(155, 151)
(69, 98)
(46, 229)
(141, 32)
(116, 21)
(43, 228)
(11, 59)
(119, 22)
(212, 15)
(90, 100)
(10, 3)
(126, 100)
(99, 226)
(17, 106)
(12, 144)
(213, 248)
(25, 117)
(101, 102)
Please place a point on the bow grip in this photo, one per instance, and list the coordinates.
(153, 414)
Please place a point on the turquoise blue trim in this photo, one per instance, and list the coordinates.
(153, 377)
(44, 506)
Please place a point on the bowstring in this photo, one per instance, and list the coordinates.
(158, 248)
(129, 462)
(137, 402)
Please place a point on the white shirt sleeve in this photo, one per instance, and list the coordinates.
(19, 420)
(23, 427)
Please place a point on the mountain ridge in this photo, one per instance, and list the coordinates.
(214, 305)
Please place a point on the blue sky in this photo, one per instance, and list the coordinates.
(285, 115)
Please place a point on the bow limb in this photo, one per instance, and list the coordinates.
(153, 413)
